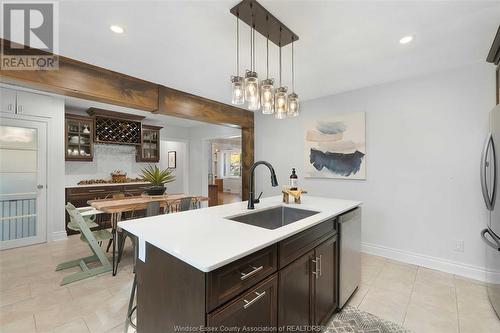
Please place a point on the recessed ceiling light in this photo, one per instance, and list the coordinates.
(116, 28)
(406, 39)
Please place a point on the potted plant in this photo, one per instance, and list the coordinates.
(157, 178)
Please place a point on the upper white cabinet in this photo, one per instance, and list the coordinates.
(33, 104)
(7, 100)
(27, 103)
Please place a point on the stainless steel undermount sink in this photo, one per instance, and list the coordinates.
(273, 218)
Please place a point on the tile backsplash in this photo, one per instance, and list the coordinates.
(106, 159)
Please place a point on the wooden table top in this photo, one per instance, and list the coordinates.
(127, 204)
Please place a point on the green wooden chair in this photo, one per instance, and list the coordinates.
(92, 238)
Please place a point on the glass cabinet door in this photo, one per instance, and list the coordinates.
(150, 149)
(78, 139)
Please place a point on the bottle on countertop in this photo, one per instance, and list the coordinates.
(293, 181)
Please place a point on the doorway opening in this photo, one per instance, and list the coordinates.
(224, 170)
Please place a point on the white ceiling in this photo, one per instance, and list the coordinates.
(190, 45)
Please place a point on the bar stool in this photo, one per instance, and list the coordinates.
(153, 208)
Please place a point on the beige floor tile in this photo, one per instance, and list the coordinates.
(120, 328)
(8, 315)
(386, 304)
(15, 295)
(431, 276)
(423, 319)
(22, 325)
(56, 315)
(358, 296)
(368, 259)
(56, 297)
(108, 314)
(485, 321)
(397, 278)
(444, 301)
(75, 326)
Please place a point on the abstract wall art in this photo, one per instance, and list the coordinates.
(336, 148)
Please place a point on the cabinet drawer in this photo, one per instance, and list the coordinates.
(297, 245)
(98, 190)
(256, 308)
(135, 189)
(230, 280)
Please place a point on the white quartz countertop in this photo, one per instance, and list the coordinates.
(206, 240)
(106, 184)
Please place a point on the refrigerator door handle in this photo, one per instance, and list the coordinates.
(495, 244)
(495, 169)
(484, 167)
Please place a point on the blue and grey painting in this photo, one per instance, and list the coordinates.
(343, 164)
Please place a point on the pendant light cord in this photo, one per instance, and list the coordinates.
(293, 74)
(251, 45)
(280, 66)
(253, 42)
(280, 58)
(267, 57)
(237, 45)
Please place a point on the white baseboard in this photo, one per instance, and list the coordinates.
(448, 266)
(59, 235)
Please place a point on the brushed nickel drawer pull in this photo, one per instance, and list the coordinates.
(245, 276)
(320, 265)
(92, 191)
(249, 303)
(317, 271)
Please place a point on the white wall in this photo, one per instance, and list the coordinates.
(180, 185)
(199, 154)
(424, 140)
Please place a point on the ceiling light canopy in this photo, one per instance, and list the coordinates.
(262, 95)
(406, 39)
(116, 29)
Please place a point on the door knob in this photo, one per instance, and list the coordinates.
(39, 187)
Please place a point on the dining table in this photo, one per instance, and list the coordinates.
(117, 206)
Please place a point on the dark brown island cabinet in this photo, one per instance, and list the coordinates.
(290, 286)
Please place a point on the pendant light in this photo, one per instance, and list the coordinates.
(265, 94)
(251, 79)
(237, 81)
(280, 97)
(267, 88)
(293, 98)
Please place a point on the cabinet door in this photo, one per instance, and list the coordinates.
(34, 104)
(295, 292)
(255, 309)
(7, 100)
(325, 297)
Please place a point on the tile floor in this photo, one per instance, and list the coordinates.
(31, 299)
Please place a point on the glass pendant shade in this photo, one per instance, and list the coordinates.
(293, 105)
(280, 103)
(252, 90)
(267, 96)
(238, 90)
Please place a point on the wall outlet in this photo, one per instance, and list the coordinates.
(459, 245)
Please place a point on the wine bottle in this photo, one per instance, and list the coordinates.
(293, 181)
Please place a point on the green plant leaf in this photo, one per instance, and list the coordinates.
(157, 177)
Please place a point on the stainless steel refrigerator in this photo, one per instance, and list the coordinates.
(490, 169)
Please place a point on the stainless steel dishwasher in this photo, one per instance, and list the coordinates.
(349, 230)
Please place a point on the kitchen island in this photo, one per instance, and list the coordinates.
(199, 269)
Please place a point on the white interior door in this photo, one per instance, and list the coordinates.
(23, 179)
